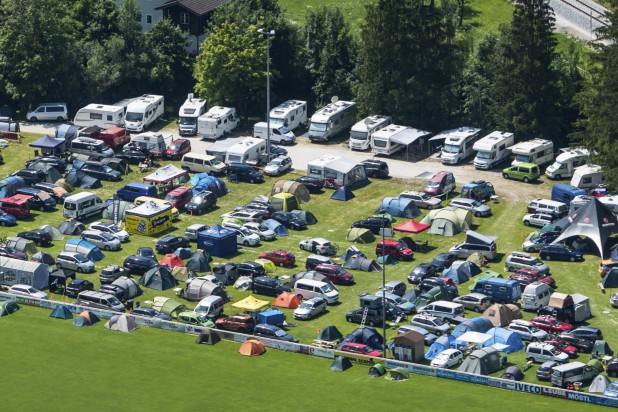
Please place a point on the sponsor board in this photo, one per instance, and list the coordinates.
(555, 392)
(176, 327)
(316, 351)
(150, 322)
(357, 359)
(279, 344)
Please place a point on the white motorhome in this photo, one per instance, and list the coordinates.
(360, 135)
(143, 111)
(331, 120)
(101, 115)
(566, 162)
(458, 144)
(537, 151)
(493, 149)
(587, 177)
(394, 138)
(82, 205)
(190, 110)
(291, 114)
(217, 122)
(248, 150)
(151, 141)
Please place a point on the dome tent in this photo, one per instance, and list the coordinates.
(284, 202)
(158, 278)
(293, 187)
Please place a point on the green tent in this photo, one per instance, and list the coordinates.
(360, 235)
(596, 364)
(376, 370)
(8, 307)
(168, 306)
(285, 202)
(398, 374)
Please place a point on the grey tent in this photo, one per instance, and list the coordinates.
(610, 280)
(86, 318)
(601, 348)
(182, 273)
(115, 163)
(199, 262)
(21, 244)
(398, 374)
(198, 289)
(368, 336)
(108, 212)
(448, 221)
(226, 273)
(376, 370)
(71, 227)
(53, 231)
(208, 337)
(360, 235)
(158, 278)
(78, 178)
(513, 373)
(121, 323)
(351, 251)
(469, 268)
(456, 275)
(599, 384)
(399, 207)
(306, 215)
(291, 186)
(67, 132)
(130, 286)
(61, 312)
(358, 262)
(43, 257)
(14, 271)
(65, 184)
(340, 364)
(483, 361)
(51, 173)
(276, 227)
(330, 334)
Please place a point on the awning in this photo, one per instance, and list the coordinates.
(474, 337)
(409, 136)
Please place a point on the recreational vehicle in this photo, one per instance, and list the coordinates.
(278, 134)
(217, 122)
(143, 111)
(587, 177)
(248, 150)
(290, 114)
(100, 115)
(537, 151)
(152, 141)
(566, 162)
(493, 149)
(331, 120)
(360, 135)
(394, 138)
(458, 144)
(337, 172)
(191, 109)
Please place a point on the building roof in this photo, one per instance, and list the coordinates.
(198, 7)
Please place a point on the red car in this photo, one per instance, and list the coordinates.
(335, 273)
(279, 257)
(179, 197)
(360, 349)
(236, 323)
(550, 324)
(533, 275)
(177, 149)
(392, 247)
(564, 347)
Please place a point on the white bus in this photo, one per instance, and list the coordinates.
(191, 109)
(394, 138)
(101, 115)
(217, 122)
(291, 114)
(537, 151)
(493, 149)
(566, 162)
(458, 144)
(331, 120)
(143, 111)
(360, 135)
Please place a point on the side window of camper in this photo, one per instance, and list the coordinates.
(488, 287)
(96, 116)
(587, 180)
(502, 289)
(109, 117)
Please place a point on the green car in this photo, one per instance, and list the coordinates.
(195, 319)
(522, 171)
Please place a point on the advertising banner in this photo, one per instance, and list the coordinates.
(358, 359)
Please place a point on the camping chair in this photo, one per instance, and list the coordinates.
(143, 167)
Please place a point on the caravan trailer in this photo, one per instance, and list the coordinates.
(152, 141)
(217, 122)
(459, 144)
(191, 109)
(566, 163)
(393, 138)
(101, 115)
(587, 177)
(331, 120)
(537, 151)
(249, 150)
(291, 114)
(360, 135)
(143, 111)
(493, 149)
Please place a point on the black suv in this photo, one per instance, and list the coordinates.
(251, 269)
(375, 168)
(30, 176)
(444, 260)
(313, 184)
(421, 272)
(78, 285)
(241, 172)
(290, 220)
(374, 223)
(101, 171)
(54, 161)
(263, 285)
(40, 200)
(373, 318)
(113, 272)
(40, 237)
(133, 157)
(138, 265)
(201, 202)
(168, 244)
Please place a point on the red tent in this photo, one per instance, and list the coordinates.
(171, 260)
(411, 226)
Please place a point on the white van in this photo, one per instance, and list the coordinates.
(202, 163)
(443, 309)
(557, 208)
(82, 205)
(535, 295)
(211, 306)
(278, 134)
(309, 288)
(49, 111)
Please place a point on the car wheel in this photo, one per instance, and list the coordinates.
(107, 248)
(324, 309)
(280, 264)
(60, 119)
(348, 318)
(301, 247)
(572, 259)
(33, 119)
(80, 270)
(429, 207)
(251, 180)
(318, 252)
(530, 359)
(437, 333)
(477, 309)
(309, 316)
(2, 223)
(557, 177)
(505, 175)
(477, 214)
(548, 257)
(59, 266)
(526, 223)
(246, 243)
(526, 180)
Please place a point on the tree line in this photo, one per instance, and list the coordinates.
(411, 60)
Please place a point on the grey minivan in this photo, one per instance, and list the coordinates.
(74, 261)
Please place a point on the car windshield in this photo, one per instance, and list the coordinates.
(318, 127)
(134, 117)
(171, 198)
(555, 351)
(106, 236)
(484, 155)
(533, 329)
(188, 121)
(438, 322)
(81, 258)
(326, 288)
(476, 203)
(280, 332)
(107, 169)
(425, 196)
(114, 228)
(174, 146)
(305, 305)
(433, 184)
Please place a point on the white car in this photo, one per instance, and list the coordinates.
(27, 290)
(310, 308)
(245, 237)
(102, 240)
(112, 229)
(447, 359)
(278, 166)
(537, 219)
(261, 230)
(245, 216)
(318, 245)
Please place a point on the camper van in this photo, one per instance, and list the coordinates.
(493, 149)
(143, 111)
(96, 149)
(100, 115)
(82, 205)
(191, 109)
(535, 295)
(152, 141)
(569, 373)
(278, 134)
(587, 177)
(394, 138)
(291, 114)
(360, 135)
(248, 150)
(537, 151)
(217, 122)
(566, 162)
(331, 120)
(498, 289)
(565, 193)
(458, 145)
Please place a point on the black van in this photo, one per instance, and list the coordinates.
(263, 285)
(375, 168)
(241, 172)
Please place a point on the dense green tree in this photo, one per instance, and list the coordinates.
(93, 20)
(230, 68)
(330, 53)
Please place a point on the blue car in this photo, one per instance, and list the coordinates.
(560, 252)
(6, 219)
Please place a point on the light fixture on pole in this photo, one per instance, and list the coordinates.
(268, 35)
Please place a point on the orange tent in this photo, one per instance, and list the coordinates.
(286, 300)
(251, 347)
(171, 260)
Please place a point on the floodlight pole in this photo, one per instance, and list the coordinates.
(268, 35)
(383, 292)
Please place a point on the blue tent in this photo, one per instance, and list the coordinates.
(48, 144)
(367, 336)
(276, 227)
(217, 241)
(85, 248)
(86, 318)
(61, 312)
(458, 276)
(183, 252)
(67, 132)
(343, 193)
(202, 182)
(9, 185)
(399, 207)
(505, 337)
(441, 344)
(478, 324)
(271, 316)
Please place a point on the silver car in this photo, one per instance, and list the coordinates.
(278, 166)
(261, 230)
(422, 200)
(27, 290)
(102, 240)
(112, 229)
(74, 261)
(477, 208)
(522, 260)
(473, 301)
(192, 231)
(310, 308)
(433, 324)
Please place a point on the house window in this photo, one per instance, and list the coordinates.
(184, 18)
(148, 19)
